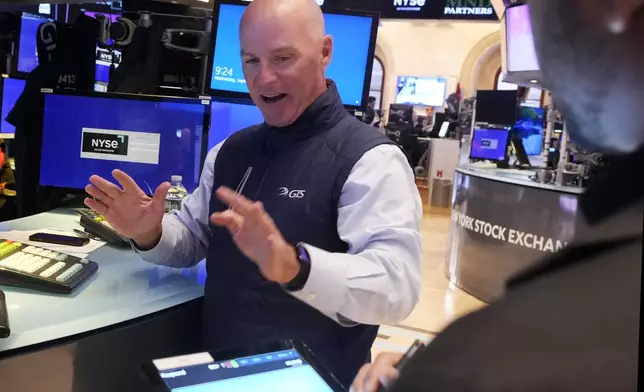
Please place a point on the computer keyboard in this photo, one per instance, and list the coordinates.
(40, 269)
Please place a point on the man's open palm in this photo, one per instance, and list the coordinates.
(127, 208)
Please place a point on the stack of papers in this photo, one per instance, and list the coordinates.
(78, 251)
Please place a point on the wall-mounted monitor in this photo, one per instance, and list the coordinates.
(10, 91)
(521, 53)
(354, 39)
(227, 118)
(421, 91)
(149, 137)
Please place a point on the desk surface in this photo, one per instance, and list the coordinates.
(124, 288)
(513, 176)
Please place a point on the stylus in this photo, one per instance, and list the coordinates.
(413, 350)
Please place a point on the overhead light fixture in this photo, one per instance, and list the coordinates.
(534, 81)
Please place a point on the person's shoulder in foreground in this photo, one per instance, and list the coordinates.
(572, 322)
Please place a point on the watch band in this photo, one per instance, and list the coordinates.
(302, 277)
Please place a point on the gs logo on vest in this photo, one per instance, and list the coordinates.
(294, 194)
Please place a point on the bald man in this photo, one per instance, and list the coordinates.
(317, 247)
(572, 323)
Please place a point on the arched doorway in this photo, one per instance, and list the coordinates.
(377, 81)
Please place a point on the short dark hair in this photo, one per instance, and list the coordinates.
(371, 100)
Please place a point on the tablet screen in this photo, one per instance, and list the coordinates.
(278, 371)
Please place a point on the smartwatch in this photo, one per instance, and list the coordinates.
(302, 277)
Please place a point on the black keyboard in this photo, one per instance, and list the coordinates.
(40, 269)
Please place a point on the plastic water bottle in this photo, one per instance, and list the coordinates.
(175, 195)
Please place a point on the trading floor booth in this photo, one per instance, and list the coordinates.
(504, 222)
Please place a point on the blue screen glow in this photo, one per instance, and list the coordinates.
(350, 53)
(228, 118)
(150, 141)
(28, 51)
(11, 91)
(489, 144)
(530, 128)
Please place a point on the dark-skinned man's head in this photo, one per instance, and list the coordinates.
(591, 57)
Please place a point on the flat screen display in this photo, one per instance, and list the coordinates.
(28, 49)
(351, 44)
(496, 107)
(521, 54)
(227, 118)
(489, 144)
(11, 91)
(279, 371)
(150, 140)
(529, 127)
(419, 91)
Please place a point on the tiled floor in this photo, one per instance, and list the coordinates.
(440, 301)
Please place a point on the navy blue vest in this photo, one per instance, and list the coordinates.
(314, 155)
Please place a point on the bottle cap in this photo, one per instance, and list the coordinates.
(176, 178)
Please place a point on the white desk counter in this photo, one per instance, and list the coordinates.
(123, 289)
(513, 176)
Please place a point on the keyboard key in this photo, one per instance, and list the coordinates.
(61, 257)
(70, 272)
(52, 270)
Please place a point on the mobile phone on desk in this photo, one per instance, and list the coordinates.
(59, 239)
(418, 346)
(5, 331)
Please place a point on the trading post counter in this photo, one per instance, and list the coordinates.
(503, 222)
(96, 338)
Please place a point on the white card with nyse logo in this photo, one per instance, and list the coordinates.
(120, 146)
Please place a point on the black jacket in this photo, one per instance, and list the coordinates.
(570, 324)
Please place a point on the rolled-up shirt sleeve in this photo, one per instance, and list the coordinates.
(186, 233)
(380, 212)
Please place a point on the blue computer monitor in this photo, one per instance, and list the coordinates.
(27, 48)
(150, 138)
(227, 118)
(529, 127)
(354, 36)
(490, 144)
(10, 91)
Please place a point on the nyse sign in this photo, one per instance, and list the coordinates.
(409, 5)
(468, 7)
(426, 9)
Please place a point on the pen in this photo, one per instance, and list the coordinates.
(418, 345)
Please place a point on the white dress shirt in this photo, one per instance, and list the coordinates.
(379, 216)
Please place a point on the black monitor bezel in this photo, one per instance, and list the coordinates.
(375, 22)
(152, 373)
(507, 144)
(134, 97)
